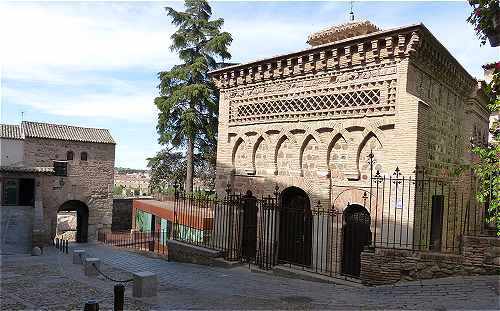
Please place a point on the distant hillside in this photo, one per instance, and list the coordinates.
(125, 170)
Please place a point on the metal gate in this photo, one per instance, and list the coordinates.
(295, 229)
(356, 236)
(249, 224)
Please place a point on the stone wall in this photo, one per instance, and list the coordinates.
(122, 214)
(11, 152)
(88, 181)
(388, 266)
(182, 252)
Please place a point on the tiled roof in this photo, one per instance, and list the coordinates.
(66, 132)
(10, 131)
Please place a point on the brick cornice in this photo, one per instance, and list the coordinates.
(414, 41)
(432, 57)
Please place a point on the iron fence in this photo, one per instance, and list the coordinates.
(418, 213)
(152, 241)
(423, 213)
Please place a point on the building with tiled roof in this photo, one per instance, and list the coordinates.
(66, 132)
(48, 168)
(10, 131)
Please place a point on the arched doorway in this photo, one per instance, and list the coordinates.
(82, 218)
(357, 235)
(295, 227)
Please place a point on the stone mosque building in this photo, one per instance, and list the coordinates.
(308, 120)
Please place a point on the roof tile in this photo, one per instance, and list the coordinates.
(10, 131)
(66, 132)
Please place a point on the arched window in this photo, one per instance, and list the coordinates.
(69, 155)
(83, 156)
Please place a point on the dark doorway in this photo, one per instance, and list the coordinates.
(82, 218)
(10, 188)
(436, 221)
(295, 227)
(249, 236)
(27, 192)
(357, 235)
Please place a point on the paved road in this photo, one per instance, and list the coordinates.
(52, 282)
(217, 284)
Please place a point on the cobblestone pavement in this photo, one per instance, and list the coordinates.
(53, 282)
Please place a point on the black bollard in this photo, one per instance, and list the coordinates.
(57, 243)
(91, 305)
(67, 246)
(119, 297)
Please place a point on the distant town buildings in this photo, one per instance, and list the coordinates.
(131, 184)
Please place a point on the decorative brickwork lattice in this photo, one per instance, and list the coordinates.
(368, 98)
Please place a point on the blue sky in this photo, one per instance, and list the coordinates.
(95, 63)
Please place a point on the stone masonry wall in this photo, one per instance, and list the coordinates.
(389, 266)
(88, 181)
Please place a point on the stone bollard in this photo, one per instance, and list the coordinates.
(145, 284)
(91, 305)
(90, 270)
(36, 251)
(78, 256)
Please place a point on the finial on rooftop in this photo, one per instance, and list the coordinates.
(351, 13)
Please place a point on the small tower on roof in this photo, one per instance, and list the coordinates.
(340, 32)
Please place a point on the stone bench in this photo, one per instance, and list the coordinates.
(145, 284)
(89, 269)
(78, 256)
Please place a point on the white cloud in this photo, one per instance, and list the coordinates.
(82, 37)
(136, 107)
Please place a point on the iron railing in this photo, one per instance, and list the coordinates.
(152, 241)
(418, 213)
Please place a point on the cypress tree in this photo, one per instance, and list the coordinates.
(188, 100)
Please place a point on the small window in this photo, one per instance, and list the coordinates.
(83, 156)
(69, 155)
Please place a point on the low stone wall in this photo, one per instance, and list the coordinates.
(388, 266)
(481, 250)
(182, 252)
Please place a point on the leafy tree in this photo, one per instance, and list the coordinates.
(483, 18)
(487, 168)
(188, 100)
(118, 190)
(167, 167)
